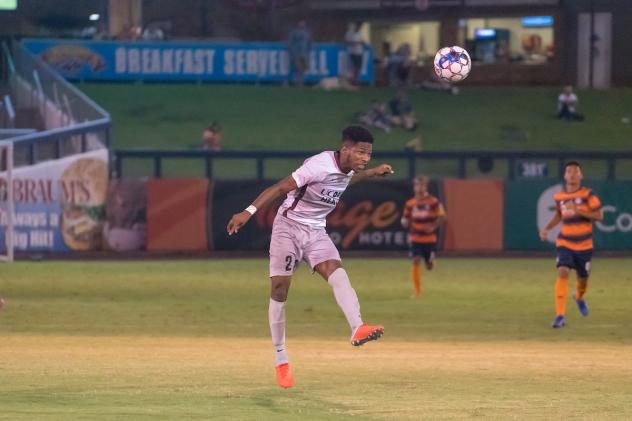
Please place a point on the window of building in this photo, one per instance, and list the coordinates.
(527, 39)
(422, 37)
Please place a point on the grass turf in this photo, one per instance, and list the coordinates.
(189, 339)
(272, 117)
(172, 116)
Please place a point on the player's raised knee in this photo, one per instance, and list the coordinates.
(563, 272)
(326, 268)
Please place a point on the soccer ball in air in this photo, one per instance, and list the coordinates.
(452, 64)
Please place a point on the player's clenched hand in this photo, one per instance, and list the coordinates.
(237, 221)
(544, 234)
(383, 170)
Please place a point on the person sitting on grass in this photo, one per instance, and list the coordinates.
(567, 105)
(376, 116)
(212, 137)
(401, 109)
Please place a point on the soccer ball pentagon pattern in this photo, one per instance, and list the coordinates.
(452, 64)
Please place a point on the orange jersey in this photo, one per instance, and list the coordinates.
(421, 215)
(576, 231)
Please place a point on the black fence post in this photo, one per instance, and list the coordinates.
(259, 169)
(511, 162)
(462, 167)
(31, 153)
(157, 166)
(209, 166)
(107, 138)
(412, 164)
(612, 168)
(118, 162)
(57, 146)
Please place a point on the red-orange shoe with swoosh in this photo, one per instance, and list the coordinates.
(284, 376)
(365, 333)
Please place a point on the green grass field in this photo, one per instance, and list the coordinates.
(172, 116)
(190, 340)
(272, 117)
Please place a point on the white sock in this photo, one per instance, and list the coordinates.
(276, 317)
(346, 297)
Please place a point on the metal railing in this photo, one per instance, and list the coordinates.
(72, 122)
(35, 82)
(461, 158)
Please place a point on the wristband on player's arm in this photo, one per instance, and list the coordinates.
(251, 209)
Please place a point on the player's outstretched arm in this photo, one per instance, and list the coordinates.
(270, 194)
(552, 223)
(379, 171)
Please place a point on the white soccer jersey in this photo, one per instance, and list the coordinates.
(320, 184)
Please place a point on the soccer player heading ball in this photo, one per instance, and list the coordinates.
(577, 208)
(298, 233)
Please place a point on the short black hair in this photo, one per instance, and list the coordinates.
(215, 126)
(357, 134)
(572, 163)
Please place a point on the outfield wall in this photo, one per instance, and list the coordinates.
(190, 215)
(529, 207)
(483, 215)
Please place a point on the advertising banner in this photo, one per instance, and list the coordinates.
(177, 212)
(367, 217)
(475, 215)
(191, 61)
(529, 206)
(59, 204)
(126, 216)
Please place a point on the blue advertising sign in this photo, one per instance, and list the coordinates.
(176, 61)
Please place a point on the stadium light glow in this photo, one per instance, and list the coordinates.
(537, 21)
(8, 4)
(94, 17)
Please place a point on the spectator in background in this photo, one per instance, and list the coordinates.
(376, 116)
(502, 51)
(438, 84)
(212, 137)
(153, 33)
(355, 50)
(567, 105)
(128, 33)
(402, 111)
(97, 32)
(102, 32)
(335, 83)
(399, 67)
(299, 47)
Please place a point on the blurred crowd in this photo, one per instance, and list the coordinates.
(152, 32)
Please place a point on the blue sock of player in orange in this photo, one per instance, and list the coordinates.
(582, 285)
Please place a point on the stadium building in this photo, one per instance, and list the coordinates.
(521, 42)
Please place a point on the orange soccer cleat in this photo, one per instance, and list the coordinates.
(284, 376)
(365, 333)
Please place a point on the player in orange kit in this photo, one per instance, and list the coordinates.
(423, 215)
(577, 208)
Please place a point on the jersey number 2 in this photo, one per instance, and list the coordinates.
(288, 263)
